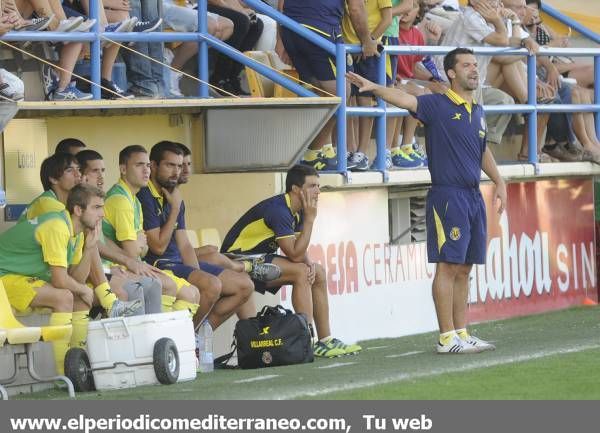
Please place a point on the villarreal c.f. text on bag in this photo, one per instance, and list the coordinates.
(276, 336)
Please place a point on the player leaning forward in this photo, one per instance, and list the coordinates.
(455, 135)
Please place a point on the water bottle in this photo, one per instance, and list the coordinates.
(204, 342)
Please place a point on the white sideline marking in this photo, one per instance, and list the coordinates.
(410, 376)
(398, 355)
(257, 378)
(377, 347)
(337, 364)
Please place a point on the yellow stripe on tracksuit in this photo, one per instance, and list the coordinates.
(439, 228)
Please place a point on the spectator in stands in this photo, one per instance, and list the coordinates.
(482, 23)
(115, 12)
(18, 23)
(285, 222)
(442, 13)
(126, 241)
(379, 17)
(315, 65)
(181, 17)
(144, 75)
(58, 84)
(222, 291)
(390, 38)
(129, 278)
(583, 124)
(11, 87)
(416, 80)
(247, 28)
(71, 146)
(583, 73)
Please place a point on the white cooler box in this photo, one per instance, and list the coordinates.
(121, 350)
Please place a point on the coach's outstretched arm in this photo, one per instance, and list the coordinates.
(489, 167)
(393, 96)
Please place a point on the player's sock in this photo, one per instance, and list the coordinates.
(311, 155)
(328, 150)
(181, 304)
(446, 337)
(80, 328)
(60, 347)
(167, 303)
(105, 295)
(462, 333)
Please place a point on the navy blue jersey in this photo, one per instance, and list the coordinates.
(455, 138)
(323, 14)
(258, 230)
(156, 212)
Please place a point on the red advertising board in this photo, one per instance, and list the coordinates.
(541, 251)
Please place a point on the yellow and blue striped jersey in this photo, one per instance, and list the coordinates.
(455, 138)
(258, 230)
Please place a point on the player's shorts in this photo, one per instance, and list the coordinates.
(366, 68)
(311, 61)
(261, 286)
(179, 282)
(183, 271)
(391, 61)
(21, 290)
(456, 225)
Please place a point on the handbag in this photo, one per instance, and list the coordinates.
(276, 336)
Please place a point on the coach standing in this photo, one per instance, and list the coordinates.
(455, 139)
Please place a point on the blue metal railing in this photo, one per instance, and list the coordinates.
(340, 51)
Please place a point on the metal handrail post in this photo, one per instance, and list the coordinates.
(203, 49)
(532, 117)
(380, 121)
(597, 92)
(341, 124)
(95, 48)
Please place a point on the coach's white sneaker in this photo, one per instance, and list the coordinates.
(456, 346)
(479, 344)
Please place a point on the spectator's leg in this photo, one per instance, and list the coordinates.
(365, 125)
(266, 41)
(69, 54)
(590, 123)
(110, 51)
(151, 10)
(505, 72)
(497, 123)
(139, 69)
(241, 24)
(584, 74)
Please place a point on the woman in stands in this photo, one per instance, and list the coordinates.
(583, 123)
